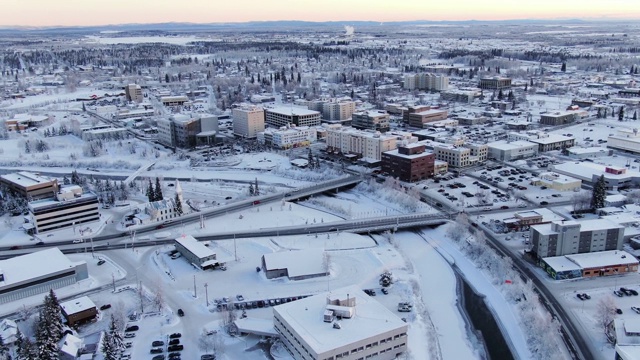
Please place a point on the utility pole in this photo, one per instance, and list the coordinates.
(195, 295)
(235, 249)
(113, 281)
(206, 293)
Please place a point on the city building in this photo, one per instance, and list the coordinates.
(283, 115)
(627, 337)
(409, 162)
(365, 144)
(344, 324)
(69, 207)
(460, 156)
(295, 265)
(626, 140)
(418, 117)
(29, 185)
(26, 121)
(615, 178)
(184, 131)
(195, 252)
(78, 311)
(338, 109)
(288, 137)
(575, 237)
(586, 265)
(20, 278)
(494, 83)
(556, 181)
(512, 150)
(133, 114)
(558, 118)
(133, 92)
(106, 133)
(456, 95)
(173, 100)
(248, 121)
(546, 142)
(426, 81)
(373, 120)
(522, 220)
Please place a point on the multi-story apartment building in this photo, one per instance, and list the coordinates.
(133, 92)
(248, 121)
(426, 81)
(183, 131)
(344, 324)
(29, 185)
(465, 96)
(69, 207)
(288, 137)
(364, 144)
(462, 154)
(558, 118)
(371, 120)
(338, 110)
(284, 115)
(495, 83)
(575, 237)
(409, 162)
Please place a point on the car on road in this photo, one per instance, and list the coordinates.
(157, 343)
(586, 296)
(77, 241)
(161, 226)
(101, 261)
(14, 247)
(240, 297)
(105, 306)
(228, 198)
(132, 328)
(180, 312)
(256, 202)
(636, 309)
(543, 203)
(175, 336)
(504, 207)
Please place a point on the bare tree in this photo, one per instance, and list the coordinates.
(205, 342)
(581, 201)
(605, 312)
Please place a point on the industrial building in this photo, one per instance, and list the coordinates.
(343, 324)
(70, 207)
(295, 265)
(29, 185)
(195, 252)
(37, 273)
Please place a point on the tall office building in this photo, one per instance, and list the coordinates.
(248, 121)
(133, 92)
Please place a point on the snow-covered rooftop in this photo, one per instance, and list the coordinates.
(602, 259)
(561, 263)
(194, 246)
(291, 110)
(77, 305)
(24, 178)
(306, 318)
(297, 262)
(31, 266)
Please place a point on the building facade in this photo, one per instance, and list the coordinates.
(352, 326)
(426, 81)
(424, 116)
(572, 237)
(409, 163)
(69, 208)
(282, 116)
(248, 121)
(195, 252)
(338, 110)
(364, 144)
(558, 118)
(29, 185)
(371, 120)
(512, 150)
(133, 92)
(288, 137)
(494, 83)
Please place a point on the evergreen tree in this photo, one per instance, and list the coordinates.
(25, 348)
(621, 114)
(500, 95)
(84, 108)
(564, 67)
(255, 187)
(635, 115)
(310, 159)
(46, 343)
(158, 191)
(178, 204)
(108, 349)
(251, 190)
(599, 193)
(112, 342)
(150, 192)
(4, 350)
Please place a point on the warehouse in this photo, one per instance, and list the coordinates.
(195, 252)
(296, 265)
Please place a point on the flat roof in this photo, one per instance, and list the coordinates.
(504, 145)
(34, 265)
(561, 263)
(305, 317)
(412, 156)
(25, 178)
(297, 262)
(430, 112)
(291, 110)
(602, 259)
(552, 138)
(77, 305)
(38, 204)
(194, 246)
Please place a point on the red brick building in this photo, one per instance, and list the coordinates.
(409, 163)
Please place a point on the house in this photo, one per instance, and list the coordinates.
(8, 331)
(70, 347)
(78, 311)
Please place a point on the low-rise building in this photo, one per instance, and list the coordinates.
(29, 185)
(575, 237)
(546, 142)
(174, 100)
(512, 150)
(364, 144)
(626, 140)
(460, 156)
(288, 137)
(295, 265)
(420, 118)
(495, 83)
(70, 206)
(615, 178)
(409, 162)
(604, 263)
(279, 116)
(556, 181)
(371, 120)
(343, 324)
(456, 95)
(558, 118)
(21, 278)
(627, 337)
(78, 311)
(195, 252)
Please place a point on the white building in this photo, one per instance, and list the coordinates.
(338, 109)
(512, 150)
(295, 265)
(37, 273)
(426, 81)
(69, 207)
(366, 144)
(557, 181)
(279, 116)
(624, 139)
(288, 137)
(248, 121)
(195, 252)
(545, 141)
(344, 324)
(133, 92)
(460, 156)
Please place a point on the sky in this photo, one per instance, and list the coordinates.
(92, 12)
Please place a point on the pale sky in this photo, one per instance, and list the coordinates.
(101, 12)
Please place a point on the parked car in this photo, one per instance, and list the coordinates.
(128, 344)
(101, 261)
(619, 311)
(105, 306)
(129, 335)
(586, 296)
(157, 343)
(208, 357)
(580, 296)
(617, 293)
(175, 336)
(240, 297)
(543, 203)
(132, 328)
(636, 309)
(180, 312)
(175, 348)
(174, 341)
(158, 357)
